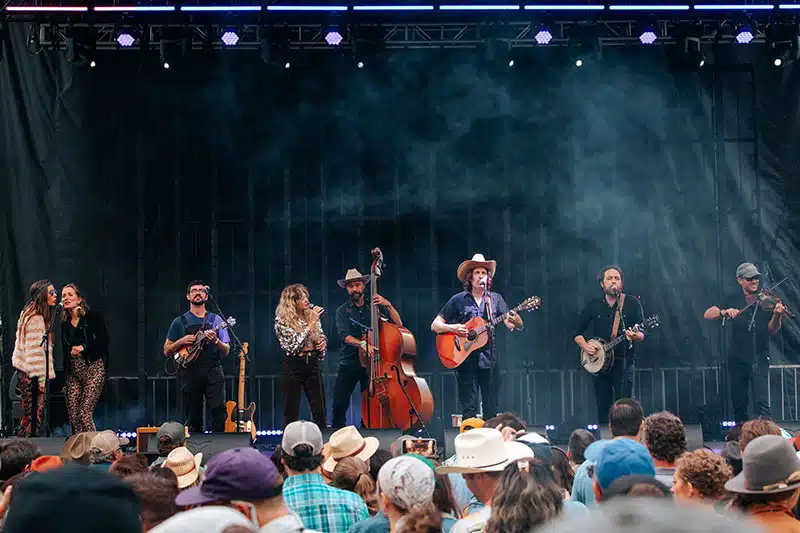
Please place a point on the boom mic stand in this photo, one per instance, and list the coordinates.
(45, 396)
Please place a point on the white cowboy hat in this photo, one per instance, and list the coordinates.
(185, 465)
(477, 261)
(484, 450)
(352, 275)
(348, 442)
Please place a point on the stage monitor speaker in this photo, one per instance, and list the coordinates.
(48, 445)
(147, 438)
(213, 443)
(385, 436)
(694, 435)
(450, 435)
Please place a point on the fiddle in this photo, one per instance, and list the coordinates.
(768, 301)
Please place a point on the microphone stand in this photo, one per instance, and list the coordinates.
(45, 396)
(413, 411)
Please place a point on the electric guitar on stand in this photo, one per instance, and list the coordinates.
(243, 420)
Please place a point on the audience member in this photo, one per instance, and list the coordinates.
(405, 488)
(628, 515)
(625, 422)
(213, 519)
(106, 447)
(665, 437)
(579, 440)
(276, 460)
(753, 429)
(562, 470)
(482, 454)
(156, 495)
(45, 463)
(733, 456)
(616, 458)
(78, 447)
(353, 474)
(319, 506)
(15, 455)
(523, 500)
(348, 442)
(72, 498)
(700, 476)
(170, 435)
(130, 464)
(769, 486)
(185, 465)
(636, 486)
(376, 462)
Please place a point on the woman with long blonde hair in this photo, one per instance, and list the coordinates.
(29, 356)
(299, 331)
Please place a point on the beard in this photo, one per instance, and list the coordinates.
(613, 291)
(201, 301)
(356, 296)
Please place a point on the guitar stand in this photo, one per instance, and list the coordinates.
(413, 411)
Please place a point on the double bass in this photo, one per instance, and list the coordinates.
(389, 358)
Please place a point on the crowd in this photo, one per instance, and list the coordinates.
(501, 479)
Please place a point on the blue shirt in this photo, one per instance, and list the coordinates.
(321, 507)
(462, 307)
(212, 320)
(583, 485)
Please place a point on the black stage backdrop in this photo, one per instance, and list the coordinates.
(131, 181)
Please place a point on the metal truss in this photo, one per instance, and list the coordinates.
(419, 35)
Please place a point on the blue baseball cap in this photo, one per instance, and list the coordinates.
(618, 458)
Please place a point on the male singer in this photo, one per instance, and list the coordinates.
(203, 376)
(597, 318)
(351, 319)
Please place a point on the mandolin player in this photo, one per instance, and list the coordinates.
(479, 371)
(748, 355)
(202, 377)
(597, 321)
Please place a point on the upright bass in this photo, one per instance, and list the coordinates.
(395, 395)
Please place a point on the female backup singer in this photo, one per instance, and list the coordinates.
(84, 341)
(300, 335)
(29, 355)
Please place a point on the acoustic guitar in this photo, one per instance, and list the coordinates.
(603, 358)
(188, 354)
(454, 350)
(243, 421)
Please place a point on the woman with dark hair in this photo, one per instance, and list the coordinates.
(562, 470)
(84, 341)
(29, 356)
(526, 497)
(351, 473)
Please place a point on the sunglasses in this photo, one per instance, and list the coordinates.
(754, 278)
(52, 292)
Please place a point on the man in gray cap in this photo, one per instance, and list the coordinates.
(748, 341)
(170, 435)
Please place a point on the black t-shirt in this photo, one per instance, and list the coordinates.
(348, 318)
(745, 343)
(597, 321)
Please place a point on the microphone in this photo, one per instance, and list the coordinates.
(207, 289)
(482, 282)
(312, 306)
(59, 305)
(614, 290)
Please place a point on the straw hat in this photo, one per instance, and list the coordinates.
(484, 450)
(348, 442)
(185, 465)
(352, 275)
(477, 261)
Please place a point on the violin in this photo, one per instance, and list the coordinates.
(768, 301)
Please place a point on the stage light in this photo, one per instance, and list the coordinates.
(579, 62)
(125, 39)
(360, 64)
(333, 38)
(543, 36)
(511, 63)
(230, 38)
(165, 65)
(287, 65)
(92, 63)
(744, 35)
(647, 37)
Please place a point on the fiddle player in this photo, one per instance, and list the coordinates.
(479, 371)
(597, 320)
(748, 352)
(352, 317)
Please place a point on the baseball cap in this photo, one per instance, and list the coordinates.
(45, 463)
(407, 481)
(747, 270)
(174, 430)
(301, 432)
(72, 498)
(617, 458)
(107, 441)
(470, 423)
(235, 474)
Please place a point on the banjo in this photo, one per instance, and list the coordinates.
(603, 358)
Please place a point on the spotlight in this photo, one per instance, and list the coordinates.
(511, 63)
(287, 65)
(744, 35)
(647, 37)
(125, 39)
(92, 63)
(543, 36)
(360, 64)
(165, 65)
(333, 38)
(230, 38)
(579, 62)
(782, 43)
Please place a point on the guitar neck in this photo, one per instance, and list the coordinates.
(621, 337)
(242, 362)
(493, 322)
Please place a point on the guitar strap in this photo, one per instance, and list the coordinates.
(617, 316)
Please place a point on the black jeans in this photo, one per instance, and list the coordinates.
(742, 376)
(350, 373)
(208, 382)
(301, 373)
(474, 381)
(615, 384)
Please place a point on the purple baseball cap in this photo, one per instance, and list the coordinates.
(236, 474)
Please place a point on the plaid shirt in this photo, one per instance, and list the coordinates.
(321, 507)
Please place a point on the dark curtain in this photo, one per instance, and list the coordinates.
(131, 180)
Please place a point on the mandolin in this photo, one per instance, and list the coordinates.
(190, 353)
(243, 420)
